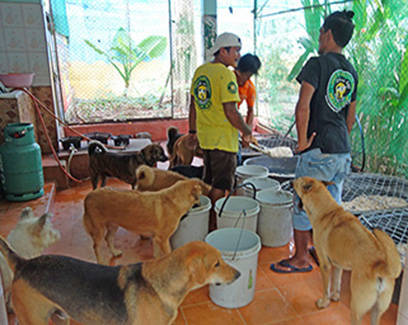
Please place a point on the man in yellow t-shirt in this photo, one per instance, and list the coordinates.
(214, 119)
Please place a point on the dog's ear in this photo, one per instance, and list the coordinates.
(196, 191)
(307, 187)
(41, 221)
(326, 183)
(27, 213)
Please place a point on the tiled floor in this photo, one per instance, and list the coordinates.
(279, 299)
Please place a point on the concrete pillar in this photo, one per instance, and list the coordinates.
(209, 26)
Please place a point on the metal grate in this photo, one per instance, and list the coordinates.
(358, 184)
(393, 221)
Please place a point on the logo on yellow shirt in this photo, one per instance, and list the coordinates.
(202, 92)
(232, 87)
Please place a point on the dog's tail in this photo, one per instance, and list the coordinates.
(172, 136)
(144, 176)
(11, 257)
(392, 266)
(95, 145)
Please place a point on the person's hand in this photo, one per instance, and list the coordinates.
(303, 145)
(246, 140)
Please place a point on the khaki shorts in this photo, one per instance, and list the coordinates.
(219, 169)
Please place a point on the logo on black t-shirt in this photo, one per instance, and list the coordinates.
(339, 90)
(202, 92)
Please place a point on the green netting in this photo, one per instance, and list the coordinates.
(288, 36)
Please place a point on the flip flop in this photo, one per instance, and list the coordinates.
(292, 268)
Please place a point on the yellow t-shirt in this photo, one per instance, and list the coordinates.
(214, 84)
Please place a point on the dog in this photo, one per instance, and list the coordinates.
(155, 179)
(151, 214)
(122, 165)
(181, 151)
(142, 293)
(29, 238)
(342, 242)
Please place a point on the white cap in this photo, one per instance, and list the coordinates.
(225, 40)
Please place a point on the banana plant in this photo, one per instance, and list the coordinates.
(314, 16)
(125, 56)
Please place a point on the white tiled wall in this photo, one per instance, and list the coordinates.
(23, 42)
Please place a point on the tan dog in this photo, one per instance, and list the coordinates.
(92, 294)
(29, 238)
(342, 242)
(155, 214)
(155, 179)
(181, 151)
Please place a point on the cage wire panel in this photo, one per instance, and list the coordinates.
(128, 59)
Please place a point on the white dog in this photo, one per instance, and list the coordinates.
(29, 238)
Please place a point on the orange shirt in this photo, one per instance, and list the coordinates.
(247, 92)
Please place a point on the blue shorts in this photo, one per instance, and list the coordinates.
(324, 167)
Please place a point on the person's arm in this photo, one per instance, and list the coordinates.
(351, 116)
(236, 120)
(302, 115)
(250, 116)
(192, 115)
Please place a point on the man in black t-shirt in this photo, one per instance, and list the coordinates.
(325, 114)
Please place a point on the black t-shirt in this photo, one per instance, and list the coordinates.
(335, 82)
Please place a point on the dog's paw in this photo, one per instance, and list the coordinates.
(322, 303)
(116, 252)
(335, 296)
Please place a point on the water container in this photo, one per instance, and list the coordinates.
(244, 172)
(194, 226)
(275, 218)
(260, 183)
(20, 163)
(239, 248)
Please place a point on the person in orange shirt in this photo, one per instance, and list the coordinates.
(248, 65)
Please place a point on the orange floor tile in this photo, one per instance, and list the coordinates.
(279, 298)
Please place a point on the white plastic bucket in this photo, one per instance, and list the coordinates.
(244, 172)
(260, 183)
(238, 212)
(239, 248)
(275, 217)
(194, 226)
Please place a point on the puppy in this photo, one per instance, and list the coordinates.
(181, 151)
(142, 293)
(342, 242)
(152, 214)
(29, 238)
(155, 179)
(122, 165)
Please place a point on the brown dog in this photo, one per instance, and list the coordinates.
(342, 242)
(142, 293)
(181, 150)
(155, 214)
(104, 163)
(155, 179)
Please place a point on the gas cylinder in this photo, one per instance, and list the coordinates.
(21, 171)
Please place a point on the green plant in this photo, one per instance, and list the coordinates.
(125, 56)
(379, 53)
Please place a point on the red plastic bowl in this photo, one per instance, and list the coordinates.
(16, 80)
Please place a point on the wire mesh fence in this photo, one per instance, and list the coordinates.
(132, 59)
(124, 60)
(287, 35)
